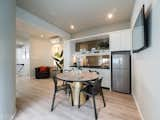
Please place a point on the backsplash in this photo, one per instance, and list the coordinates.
(92, 60)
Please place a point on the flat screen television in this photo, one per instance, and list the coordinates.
(140, 33)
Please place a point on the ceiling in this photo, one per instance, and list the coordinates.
(83, 14)
(24, 29)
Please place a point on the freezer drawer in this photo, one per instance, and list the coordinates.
(121, 80)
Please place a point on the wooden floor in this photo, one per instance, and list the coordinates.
(34, 101)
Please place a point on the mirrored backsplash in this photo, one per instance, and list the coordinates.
(97, 60)
(101, 61)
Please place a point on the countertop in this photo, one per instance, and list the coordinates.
(96, 67)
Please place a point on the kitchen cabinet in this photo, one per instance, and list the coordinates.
(97, 43)
(115, 41)
(120, 40)
(106, 78)
(126, 39)
(68, 52)
(105, 73)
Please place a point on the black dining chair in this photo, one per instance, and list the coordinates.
(86, 83)
(66, 87)
(91, 90)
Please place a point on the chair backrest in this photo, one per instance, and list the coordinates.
(97, 86)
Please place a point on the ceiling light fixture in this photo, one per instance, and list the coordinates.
(72, 27)
(110, 15)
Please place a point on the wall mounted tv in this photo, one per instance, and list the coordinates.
(140, 32)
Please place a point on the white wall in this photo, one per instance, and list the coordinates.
(146, 67)
(102, 29)
(41, 53)
(7, 59)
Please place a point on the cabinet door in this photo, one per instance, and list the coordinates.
(106, 78)
(105, 73)
(66, 54)
(69, 50)
(115, 41)
(126, 39)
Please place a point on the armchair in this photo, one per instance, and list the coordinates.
(42, 72)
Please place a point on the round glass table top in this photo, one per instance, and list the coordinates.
(77, 76)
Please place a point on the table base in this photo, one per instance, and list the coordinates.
(76, 87)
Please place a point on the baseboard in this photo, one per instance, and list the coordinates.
(137, 105)
(7, 116)
(13, 116)
(106, 88)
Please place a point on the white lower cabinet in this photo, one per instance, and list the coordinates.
(106, 78)
(106, 74)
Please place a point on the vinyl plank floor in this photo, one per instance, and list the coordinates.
(34, 102)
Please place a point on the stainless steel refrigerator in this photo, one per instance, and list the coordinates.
(121, 71)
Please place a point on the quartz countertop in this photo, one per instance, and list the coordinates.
(97, 67)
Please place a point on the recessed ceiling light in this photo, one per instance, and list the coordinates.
(110, 15)
(42, 36)
(72, 27)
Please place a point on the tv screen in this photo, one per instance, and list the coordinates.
(139, 41)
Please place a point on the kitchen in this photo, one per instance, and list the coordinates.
(94, 52)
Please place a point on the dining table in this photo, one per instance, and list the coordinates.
(76, 79)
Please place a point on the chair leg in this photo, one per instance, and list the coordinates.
(66, 90)
(71, 96)
(95, 111)
(103, 98)
(79, 100)
(54, 95)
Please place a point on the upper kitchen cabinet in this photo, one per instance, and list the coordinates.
(68, 51)
(126, 39)
(94, 43)
(120, 40)
(88, 45)
(115, 41)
